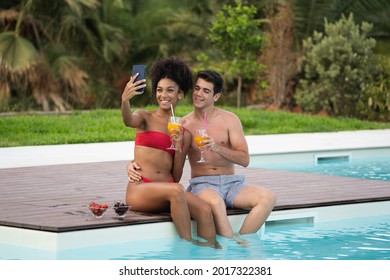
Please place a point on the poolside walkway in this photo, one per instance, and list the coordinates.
(48, 187)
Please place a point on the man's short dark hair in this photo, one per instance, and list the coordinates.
(212, 77)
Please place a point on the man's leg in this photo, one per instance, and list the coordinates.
(261, 201)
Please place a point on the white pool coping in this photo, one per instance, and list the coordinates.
(261, 144)
(95, 237)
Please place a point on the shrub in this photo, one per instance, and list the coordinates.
(338, 69)
(377, 94)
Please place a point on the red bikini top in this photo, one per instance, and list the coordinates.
(154, 139)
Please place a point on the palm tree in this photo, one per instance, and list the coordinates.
(44, 47)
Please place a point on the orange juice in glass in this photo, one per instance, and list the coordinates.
(200, 136)
(173, 128)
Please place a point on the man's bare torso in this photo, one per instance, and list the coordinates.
(219, 131)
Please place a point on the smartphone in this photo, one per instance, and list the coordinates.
(141, 69)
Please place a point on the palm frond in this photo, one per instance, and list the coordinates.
(7, 17)
(77, 5)
(16, 53)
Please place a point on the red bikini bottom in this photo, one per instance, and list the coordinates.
(146, 180)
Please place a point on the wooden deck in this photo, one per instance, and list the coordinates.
(54, 198)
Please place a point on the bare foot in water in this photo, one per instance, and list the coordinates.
(240, 241)
(211, 244)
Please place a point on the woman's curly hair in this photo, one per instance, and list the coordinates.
(174, 69)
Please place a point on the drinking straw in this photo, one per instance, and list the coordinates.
(204, 120)
(173, 114)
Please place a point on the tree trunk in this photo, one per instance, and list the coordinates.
(278, 56)
(239, 87)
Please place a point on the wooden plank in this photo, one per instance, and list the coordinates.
(54, 198)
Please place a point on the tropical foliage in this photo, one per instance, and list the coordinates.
(337, 64)
(309, 15)
(76, 54)
(45, 49)
(377, 93)
(236, 33)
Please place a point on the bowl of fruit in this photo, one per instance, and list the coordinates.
(121, 208)
(97, 210)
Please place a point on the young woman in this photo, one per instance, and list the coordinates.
(159, 190)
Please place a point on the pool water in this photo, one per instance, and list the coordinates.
(355, 239)
(375, 169)
(365, 238)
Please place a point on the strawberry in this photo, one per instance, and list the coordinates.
(98, 209)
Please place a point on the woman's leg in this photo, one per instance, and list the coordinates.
(218, 207)
(156, 197)
(201, 212)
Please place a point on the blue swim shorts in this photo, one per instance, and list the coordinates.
(227, 186)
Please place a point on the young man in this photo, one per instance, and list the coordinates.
(215, 180)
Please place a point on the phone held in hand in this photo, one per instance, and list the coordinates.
(141, 69)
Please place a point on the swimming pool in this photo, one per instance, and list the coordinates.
(305, 234)
(367, 164)
(29, 244)
(363, 239)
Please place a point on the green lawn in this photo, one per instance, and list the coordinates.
(107, 126)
